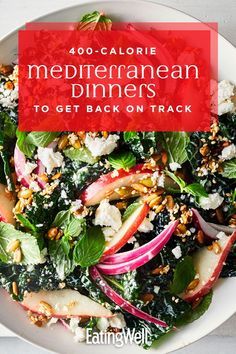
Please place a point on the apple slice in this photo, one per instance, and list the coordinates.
(127, 230)
(105, 186)
(64, 303)
(7, 204)
(208, 265)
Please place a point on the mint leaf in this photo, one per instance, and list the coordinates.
(61, 258)
(26, 223)
(28, 244)
(95, 21)
(175, 144)
(184, 273)
(229, 169)
(129, 136)
(124, 160)
(198, 311)
(62, 219)
(178, 180)
(90, 247)
(75, 227)
(23, 145)
(42, 139)
(8, 127)
(196, 189)
(82, 154)
(128, 211)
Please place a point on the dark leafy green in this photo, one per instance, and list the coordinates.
(90, 248)
(184, 273)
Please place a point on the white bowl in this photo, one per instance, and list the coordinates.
(57, 339)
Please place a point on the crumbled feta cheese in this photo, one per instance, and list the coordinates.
(146, 225)
(52, 321)
(229, 152)
(221, 235)
(213, 201)
(225, 93)
(117, 321)
(76, 205)
(174, 166)
(156, 289)
(29, 168)
(108, 233)
(161, 181)
(103, 324)
(80, 334)
(34, 186)
(74, 323)
(101, 146)
(108, 215)
(177, 252)
(49, 158)
(132, 240)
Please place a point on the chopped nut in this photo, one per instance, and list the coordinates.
(161, 270)
(25, 193)
(216, 247)
(194, 283)
(81, 135)
(6, 70)
(12, 245)
(44, 177)
(63, 142)
(76, 144)
(147, 297)
(159, 208)
(105, 134)
(181, 229)
(19, 207)
(52, 233)
(45, 308)
(170, 202)
(56, 176)
(155, 201)
(37, 320)
(17, 255)
(200, 237)
(164, 157)
(121, 205)
(14, 288)
(204, 150)
(139, 187)
(9, 85)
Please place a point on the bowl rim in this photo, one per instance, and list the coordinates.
(189, 18)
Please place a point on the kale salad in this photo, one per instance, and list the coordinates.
(116, 231)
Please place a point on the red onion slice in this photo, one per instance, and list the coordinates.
(120, 301)
(158, 242)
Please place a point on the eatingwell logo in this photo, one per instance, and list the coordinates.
(119, 339)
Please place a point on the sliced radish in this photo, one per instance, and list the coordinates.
(106, 185)
(206, 228)
(7, 204)
(226, 229)
(20, 162)
(64, 303)
(127, 230)
(208, 265)
(157, 243)
(40, 170)
(120, 301)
